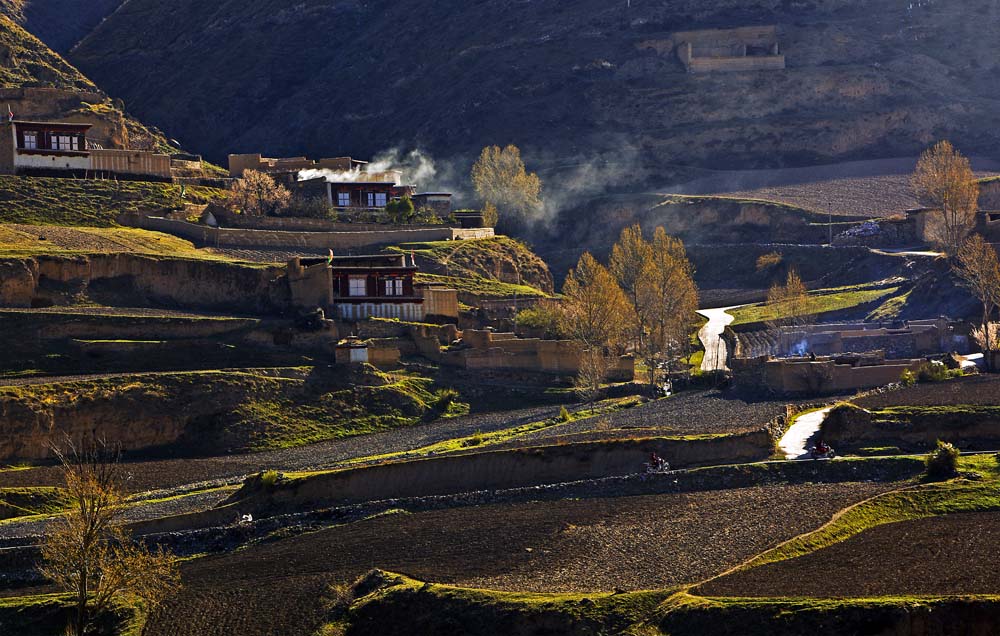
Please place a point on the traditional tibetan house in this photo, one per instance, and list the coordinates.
(357, 287)
(62, 149)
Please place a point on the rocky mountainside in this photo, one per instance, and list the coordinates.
(591, 87)
(60, 23)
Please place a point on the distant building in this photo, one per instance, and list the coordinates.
(360, 287)
(62, 149)
(751, 48)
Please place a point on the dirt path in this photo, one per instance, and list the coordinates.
(711, 337)
(795, 442)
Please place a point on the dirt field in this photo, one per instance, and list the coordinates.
(858, 188)
(981, 390)
(952, 554)
(691, 413)
(625, 543)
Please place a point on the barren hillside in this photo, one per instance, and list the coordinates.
(572, 83)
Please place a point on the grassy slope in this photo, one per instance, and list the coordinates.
(499, 266)
(88, 202)
(251, 410)
(914, 503)
(21, 240)
(819, 301)
(30, 63)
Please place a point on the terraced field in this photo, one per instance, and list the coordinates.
(622, 543)
(948, 555)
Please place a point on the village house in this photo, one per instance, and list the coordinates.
(62, 149)
(346, 183)
(371, 286)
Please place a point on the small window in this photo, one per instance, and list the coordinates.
(371, 199)
(358, 286)
(30, 140)
(62, 142)
(344, 199)
(380, 199)
(394, 287)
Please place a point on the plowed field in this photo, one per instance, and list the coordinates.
(624, 543)
(952, 554)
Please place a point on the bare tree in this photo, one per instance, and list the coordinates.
(978, 269)
(945, 182)
(788, 302)
(88, 553)
(257, 194)
(501, 180)
(594, 366)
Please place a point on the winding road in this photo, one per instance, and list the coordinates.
(710, 335)
(795, 442)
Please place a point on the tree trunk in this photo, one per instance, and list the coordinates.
(81, 604)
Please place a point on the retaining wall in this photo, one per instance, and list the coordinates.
(494, 470)
(205, 235)
(139, 280)
(851, 427)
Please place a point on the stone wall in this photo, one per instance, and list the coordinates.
(205, 235)
(966, 427)
(802, 376)
(138, 280)
(512, 468)
(486, 350)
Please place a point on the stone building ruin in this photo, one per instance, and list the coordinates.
(752, 48)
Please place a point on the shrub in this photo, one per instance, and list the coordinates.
(475, 440)
(564, 414)
(908, 378)
(444, 398)
(767, 261)
(269, 478)
(942, 462)
(936, 372)
(400, 211)
(543, 316)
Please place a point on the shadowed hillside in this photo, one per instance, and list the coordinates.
(60, 23)
(876, 79)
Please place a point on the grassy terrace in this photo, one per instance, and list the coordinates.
(818, 302)
(31, 240)
(88, 202)
(483, 287)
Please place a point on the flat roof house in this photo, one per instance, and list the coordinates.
(62, 149)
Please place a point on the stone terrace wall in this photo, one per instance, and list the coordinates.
(850, 427)
(205, 235)
(140, 280)
(514, 468)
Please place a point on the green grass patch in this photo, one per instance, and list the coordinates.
(818, 302)
(31, 501)
(89, 202)
(481, 286)
(891, 308)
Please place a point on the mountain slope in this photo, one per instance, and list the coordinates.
(37, 83)
(563, 80)
(26, 61)
(59, 23)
